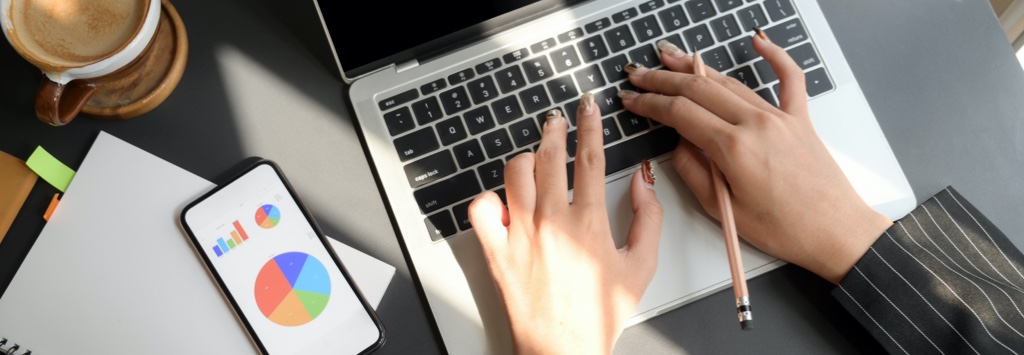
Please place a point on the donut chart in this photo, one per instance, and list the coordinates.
(267, 216)
(292, 289)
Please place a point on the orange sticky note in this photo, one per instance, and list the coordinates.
(16, 181)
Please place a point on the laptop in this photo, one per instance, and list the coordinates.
(448, 92)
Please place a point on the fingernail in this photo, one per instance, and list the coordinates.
(648, 172)
(634, 68)
(554, 116)
(628, 94)
(761, 33)
(587, 104)
(667, 47)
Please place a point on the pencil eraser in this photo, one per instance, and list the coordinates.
(746, 324)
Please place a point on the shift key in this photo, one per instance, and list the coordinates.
(430, 169)
(447, 192)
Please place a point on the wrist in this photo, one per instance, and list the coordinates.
(851, 239)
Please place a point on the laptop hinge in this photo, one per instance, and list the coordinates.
(401, 67)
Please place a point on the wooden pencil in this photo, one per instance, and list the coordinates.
(732, 243)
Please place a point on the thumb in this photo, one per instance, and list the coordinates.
(641, 249)
(489, 218)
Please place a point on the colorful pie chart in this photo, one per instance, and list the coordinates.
(292, 289)
(267, 216)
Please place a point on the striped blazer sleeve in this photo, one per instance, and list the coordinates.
(942, 280)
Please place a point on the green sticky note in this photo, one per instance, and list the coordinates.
(50, 169)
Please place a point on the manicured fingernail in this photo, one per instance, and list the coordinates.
(554, 116)
(648, 172)
(634, 68)
(761, 33)
(628, 94)
(587, 104)
(667, 47)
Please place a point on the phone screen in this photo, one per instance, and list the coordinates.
(273, 264)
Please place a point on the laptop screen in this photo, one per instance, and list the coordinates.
(397, 31)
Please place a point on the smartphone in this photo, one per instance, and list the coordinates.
(276, 269)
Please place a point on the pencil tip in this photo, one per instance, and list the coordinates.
(747, 325)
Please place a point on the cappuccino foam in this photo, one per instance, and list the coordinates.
(74, 33)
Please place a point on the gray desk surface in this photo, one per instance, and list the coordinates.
(260, 80)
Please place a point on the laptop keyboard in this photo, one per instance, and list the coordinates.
(456, 133)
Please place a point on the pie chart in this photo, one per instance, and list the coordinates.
(292, 289)
(267, 216)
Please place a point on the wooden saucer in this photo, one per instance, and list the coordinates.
(134, 93)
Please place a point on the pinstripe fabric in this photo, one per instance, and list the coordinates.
(942, 280)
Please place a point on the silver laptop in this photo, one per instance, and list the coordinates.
(443, 99)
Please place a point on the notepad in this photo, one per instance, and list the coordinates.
(113, 273)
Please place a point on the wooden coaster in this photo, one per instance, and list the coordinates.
(159, 70)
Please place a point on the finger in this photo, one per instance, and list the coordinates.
(490, 221)
(702, 90)
(692, 121)
(695, 169)
(521, 188)
(588, 187)
(552, 184)
(676, 59)
(792, 90)
(641, 249)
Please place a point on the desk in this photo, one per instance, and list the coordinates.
(260, 80)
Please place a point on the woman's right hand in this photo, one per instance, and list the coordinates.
(789, 197)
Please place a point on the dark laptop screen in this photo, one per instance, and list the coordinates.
(396, 31)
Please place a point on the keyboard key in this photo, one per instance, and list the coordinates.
(624, 15)
(610, 131)
(726, 5)
(399, 121)
(492, 174)
(461, 76)
(534, 99)
(745, 75)
(597, 26)
(510, 79)
(651, 5)
(592, 48)
(440, 226)
(608, 100)
(516, 55)
(468, 154)
(765, 72)
(524, 132)
(646, 55)
(433, 86)
(416, 144)
(543, 45)
(455, 100)
(461, 212)
(482, 90)
(571, 108)
(673, 18)
(537, 69)
(804, 55)
(451, 131)
(717, 58)
(817, 82)
(726, 27)
(562, 88)
(478, 120)
(614, 68)
(699, 37)
(565, 58)
(779, 9)
(496, 143)
(752, 16)
(700, 10)
(570, 144)
(427, 110)
(788, 33)
(645, 146)
(502, 196)
(632, 123)
(398, 100)
(589, 78)
(446, 192)
(570, 35)
(646, 28)
(766, 94)
(619, 38)
(430, 169)
(743, 50)
(507, 109)
(488, 66)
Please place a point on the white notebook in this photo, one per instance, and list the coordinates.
(112, 272)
